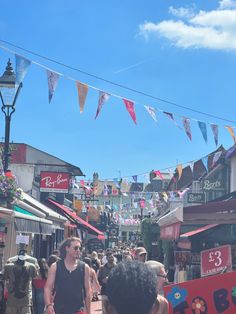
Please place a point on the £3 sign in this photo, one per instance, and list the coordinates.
(216, 260)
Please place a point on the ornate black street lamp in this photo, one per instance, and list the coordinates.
(9, 92)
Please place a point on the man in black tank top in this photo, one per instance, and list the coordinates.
(67, 290)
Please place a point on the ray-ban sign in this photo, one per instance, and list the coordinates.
(54, 182)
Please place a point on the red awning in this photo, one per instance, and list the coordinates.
(199, 230)
(79, 220)
(212, 207)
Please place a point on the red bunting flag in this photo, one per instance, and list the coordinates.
(130, 107)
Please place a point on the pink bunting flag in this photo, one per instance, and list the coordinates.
(130, 107)
(158, 173)
(103, 97)
(187, 128)
(82, 182)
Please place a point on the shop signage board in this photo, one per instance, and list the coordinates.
(210, 295)
(216, 260)
(196, 198)
(213, 185)
(57, 182)
(170, 232)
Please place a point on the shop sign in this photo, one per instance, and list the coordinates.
(209, 185)
(95, 244)
(210, 295)
(170, 232)
(216, 260)
(196, 198)
(57, 182)
(22, 239)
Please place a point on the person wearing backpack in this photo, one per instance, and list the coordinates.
(67, 290)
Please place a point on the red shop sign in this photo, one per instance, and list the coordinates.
(170, 232)
(216, 260)
(54, 182)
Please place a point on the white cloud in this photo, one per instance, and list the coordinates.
(227, 4)
(182, 12)
(212, 30)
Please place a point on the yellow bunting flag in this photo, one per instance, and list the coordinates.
(82, 93)
(180, 170)
(231, 131)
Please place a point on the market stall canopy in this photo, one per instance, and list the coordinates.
(197, 231)
(69, 213)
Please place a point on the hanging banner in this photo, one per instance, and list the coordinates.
(216, 158)
(191, 165)
(152, 112)
(53, 78)
(203, 129)
(210, 295)
(215, 131)
(103, 97)
(231, 132)
(130, 108)
(22, 65)
(187, 128)
(171, 117)
(82, 94)
(179, 170)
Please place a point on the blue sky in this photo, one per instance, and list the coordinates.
(179, 51)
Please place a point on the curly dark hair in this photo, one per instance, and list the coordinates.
(132, 288)
(67, 243)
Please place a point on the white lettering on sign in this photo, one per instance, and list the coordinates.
(216, 258)
(51, 184)
(211, 185)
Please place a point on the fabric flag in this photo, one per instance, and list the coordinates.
(171, 117)
(116, 182)
(203, 128)
(82, 182)
(82, 94)
(216, 158)
(179, 170)
(187, 128)
(22, 65)
(152, 112)
(135, 178)
(181, 193)
(191, 165)
(103, 97)
(130, 107)
(231, 132)
(215, 131)
(205, 162)
(53, 78)
(158, 173)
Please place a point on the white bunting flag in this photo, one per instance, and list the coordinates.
(53, 78)
(103, 97)
(152, 112)
(22, 65)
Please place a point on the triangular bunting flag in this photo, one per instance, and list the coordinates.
(231, 132)
(205, 162)
(103, 97)
(22, 65)
(187, 128)
(158, 173)
(135, 178)
(53, 78)
(152, 112)
(191, 165)
(82, 94)
(214, 128)
(216, 158)
(130, 107)
(171, 117)
(179, 170)
(203, 128)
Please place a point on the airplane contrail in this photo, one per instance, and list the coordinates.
(132, 66)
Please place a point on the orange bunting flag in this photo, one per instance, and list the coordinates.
(179, 170)
(82, 94)
(231, 131)
(130, 107)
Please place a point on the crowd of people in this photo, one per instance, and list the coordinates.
(71, 278)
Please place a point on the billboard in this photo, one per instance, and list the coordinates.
(57, 182)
